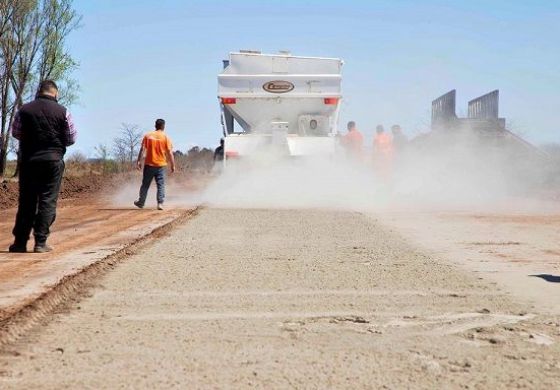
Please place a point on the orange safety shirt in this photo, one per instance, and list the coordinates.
(383, 143)
(156, 145)
(354, 141)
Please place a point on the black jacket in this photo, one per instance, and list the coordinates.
(44, 130)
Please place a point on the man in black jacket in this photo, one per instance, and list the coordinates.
(219, 152)
(44, 129)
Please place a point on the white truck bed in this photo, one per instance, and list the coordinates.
(289, 101)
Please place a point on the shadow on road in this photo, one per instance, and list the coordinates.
(548, 278)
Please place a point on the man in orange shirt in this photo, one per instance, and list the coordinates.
(382, 142)
(157, 151)
(353, 141)
(382, 152)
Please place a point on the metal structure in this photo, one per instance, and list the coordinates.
(443, 109)
(483, 121)
(482, 116)
(228, 123)
(485, 106)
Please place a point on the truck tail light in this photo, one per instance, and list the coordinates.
(232, 154)
(331, 101)
(229, 100)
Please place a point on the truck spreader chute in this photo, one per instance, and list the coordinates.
(287, 103)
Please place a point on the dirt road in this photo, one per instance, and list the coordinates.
(85, 232)
(288, 299)
(517, 249)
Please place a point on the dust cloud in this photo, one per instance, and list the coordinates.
(295, 183)
(433, 171)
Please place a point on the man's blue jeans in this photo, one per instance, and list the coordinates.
(150, 173)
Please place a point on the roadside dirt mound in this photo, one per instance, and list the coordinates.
(72, 187)
(75, 187)
(8, 194)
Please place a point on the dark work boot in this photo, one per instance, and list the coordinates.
(42, 248)
(18, 247)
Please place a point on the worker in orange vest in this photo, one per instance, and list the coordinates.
(353, 141)
(382, 152)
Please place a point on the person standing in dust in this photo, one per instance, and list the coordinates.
(44, 129)
(157, 152)
(382, 154)
(400, 147)
(399, 139)
(218, 161)
(353, 142)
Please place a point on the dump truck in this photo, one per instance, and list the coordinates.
(279, 103)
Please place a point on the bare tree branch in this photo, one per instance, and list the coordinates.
(127, 145)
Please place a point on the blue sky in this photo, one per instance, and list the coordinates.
(140, 60)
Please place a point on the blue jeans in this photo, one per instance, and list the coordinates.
(150, 173)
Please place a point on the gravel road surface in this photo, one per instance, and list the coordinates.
(288, 299)
(85, 232)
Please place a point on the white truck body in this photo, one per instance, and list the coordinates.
(287, 102)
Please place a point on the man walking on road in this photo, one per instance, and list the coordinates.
(44, 129)
(157, 151)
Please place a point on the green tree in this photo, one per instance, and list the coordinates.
(32, 48)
